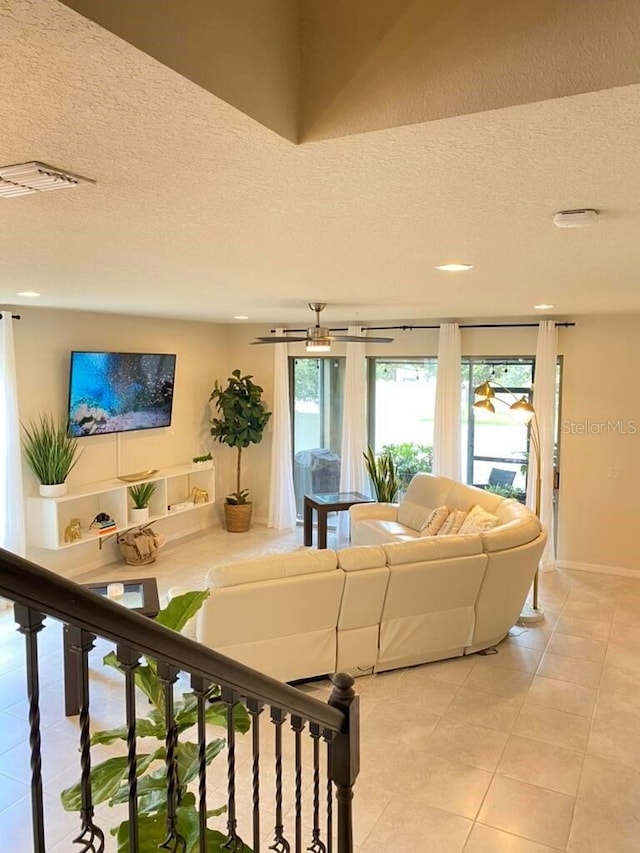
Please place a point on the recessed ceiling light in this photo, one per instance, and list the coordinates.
(544, 306)
(454, 267)
(34, 177)
(240, 317)
(29, 294)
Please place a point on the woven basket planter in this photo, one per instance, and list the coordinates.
(237, 517)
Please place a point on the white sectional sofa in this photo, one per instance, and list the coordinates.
(405, 598)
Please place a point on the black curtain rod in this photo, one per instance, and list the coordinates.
(411, 328)
(13, 316)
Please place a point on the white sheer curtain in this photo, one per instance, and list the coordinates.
(282, 502)
(12, 527)
(544, 402)
(447, 461)
(353, 476)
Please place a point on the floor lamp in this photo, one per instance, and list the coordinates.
(523, 411)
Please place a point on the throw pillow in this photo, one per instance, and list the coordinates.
(478, 521)
(454, 522)
(435, 521)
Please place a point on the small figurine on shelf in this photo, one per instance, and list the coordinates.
(199, 496)
(72, 530)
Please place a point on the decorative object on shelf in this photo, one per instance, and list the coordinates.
(138, 475)
(382, 472)
(140, 547)
(202, 460)
(199, 496)
(242, 420)
(103, 523)
(72, 531)
(140, 494)
(51, 453)
(110, 781)
(523, 411)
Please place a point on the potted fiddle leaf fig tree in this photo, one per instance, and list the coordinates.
(240, 421)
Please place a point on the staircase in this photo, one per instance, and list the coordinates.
(303, 751)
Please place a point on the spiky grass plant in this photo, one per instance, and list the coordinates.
(50, 451)
(141, 494)
(382, 472)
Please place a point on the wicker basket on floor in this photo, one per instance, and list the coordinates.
(140, 547)
(237, 517)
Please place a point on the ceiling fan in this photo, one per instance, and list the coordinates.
(318, 338)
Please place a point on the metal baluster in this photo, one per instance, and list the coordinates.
(316, 844)
(174, 842)
(200, 688)
(233, 841)
(280, 843)
(91, 836)
(129, 661)
(297, 724)
(328, 737)
(255, 709)
(29, 623)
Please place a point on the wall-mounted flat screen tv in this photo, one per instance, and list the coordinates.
(120, 391)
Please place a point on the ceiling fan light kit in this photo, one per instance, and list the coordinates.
(319, 338)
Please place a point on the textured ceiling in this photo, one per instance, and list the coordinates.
(201, 212)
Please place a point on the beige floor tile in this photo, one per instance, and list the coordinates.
(614, 741)
(618, 679)
(497, 679)
(452, 671)
(622, 657)
(586, 628)
(605, 781)
(548, 725)
(417, 723)
(627, 634)
(529, 811)
(588, 610)
(511, 656)
(577, 647)
(408, 824)
(469, 744)
(483, 709)
(486, 839)
(620, 708)
(562, 695)
(419, 690)
(545, 765)
(597, 830)
(530, 637)
(563, 668)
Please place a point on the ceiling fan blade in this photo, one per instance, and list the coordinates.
(360, 339)
(283, 339)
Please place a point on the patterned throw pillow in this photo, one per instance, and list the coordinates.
(435, 521)
(454, 522)
(478, 521)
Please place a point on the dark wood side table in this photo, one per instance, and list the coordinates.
(140, 595)
(323, 505)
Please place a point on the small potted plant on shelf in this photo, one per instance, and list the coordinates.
(202, 460)
(141, 494)
(242, 418)
(51, 453)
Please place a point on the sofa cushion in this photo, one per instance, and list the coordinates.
(478, 520)
(273, 566)
(432, 548)
(413, 515)
(358, 557)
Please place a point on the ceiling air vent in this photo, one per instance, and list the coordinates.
(34, 177)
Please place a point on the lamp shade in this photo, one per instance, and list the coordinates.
(522, 410)
(486, 404)
(484, 390)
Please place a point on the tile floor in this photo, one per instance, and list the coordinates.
(533, 749)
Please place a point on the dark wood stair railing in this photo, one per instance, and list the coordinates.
(38, 593)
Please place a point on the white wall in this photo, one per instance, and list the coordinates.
(44, 339)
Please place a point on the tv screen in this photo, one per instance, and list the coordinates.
(120, 391)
